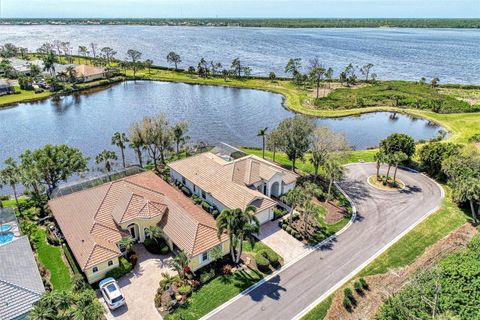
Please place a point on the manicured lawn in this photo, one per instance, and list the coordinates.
(213, 294)
(24, 96)
(51, 258)
(320, 310)
(12, 203)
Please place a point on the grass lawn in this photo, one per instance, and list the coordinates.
(24, 96)
(215, 293)
(51, 258)
(12, 203)
(448, 218)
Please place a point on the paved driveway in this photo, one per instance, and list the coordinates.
(281, 242)
(140, 286)
(382, 217)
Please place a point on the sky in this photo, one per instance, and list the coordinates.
(240, 8)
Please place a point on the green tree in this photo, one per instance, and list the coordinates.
(174, 58)
(53, 163)
(120, 140)
(296, 135)
(433, 154)
(180, 262)
(274, 140)
(11, 176)
(49, 62)
(83, 51)
(398, 158)
(108, 54)
(34, 70)
(179, 134)
(240, 225)
(262, 132)
(106, 157)
(397, 142)
(148, 64)
(135, 63)
(293, 66)
(334, 171)
(316, 73)
(272, 76)
(365, 70)
(379, 158)
(295, 198)
(154, 232)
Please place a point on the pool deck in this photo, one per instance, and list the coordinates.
(13, 229)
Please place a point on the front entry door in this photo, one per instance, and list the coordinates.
(131, 229)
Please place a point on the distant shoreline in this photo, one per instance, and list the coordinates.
(259, 23)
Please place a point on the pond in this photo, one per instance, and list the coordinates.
(215, 114)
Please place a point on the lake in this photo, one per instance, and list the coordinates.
(450, 54)
(215, 114)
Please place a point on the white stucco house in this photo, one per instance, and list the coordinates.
(230, 184)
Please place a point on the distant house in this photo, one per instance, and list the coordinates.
(5, 87)
(90, 73)
(94, 220)
(230, 184)
(21, 285)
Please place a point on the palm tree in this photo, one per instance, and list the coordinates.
(136, 141)
(263, 133)
(309, 211)
(41, 312)
(72, 74)
(154, 233)
(10, 175)
(120, 140)
(63, 76)
(105, 156)
(334, 171)
(398, 158)
(127, 243)
(180, 263)
(240, 225)
(295, 198)
(49, 63)
(379, 157)
(467, 188)
(179, 131)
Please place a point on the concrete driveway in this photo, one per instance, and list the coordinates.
(139, 287)
(281, 242)
(383, 216)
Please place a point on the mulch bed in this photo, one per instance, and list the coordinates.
(334, 212)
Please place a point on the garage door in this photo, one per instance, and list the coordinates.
(263, 216)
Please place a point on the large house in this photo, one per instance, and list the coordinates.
(227, 183)
(5, 87)
(93, 221)
(90, 73)
(21, 285)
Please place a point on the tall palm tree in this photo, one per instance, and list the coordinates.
(379, 157)
(49, 63)
(179, 133)
(106, 156)
(309, 211)
(180, 263)
(295, 198)
(398, 158)
(120, 140)
(10, 175)
(263, 133)
(72, 74)
(137, 142)
(334, 171)
(240, 225)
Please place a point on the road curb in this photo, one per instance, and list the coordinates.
(286, 266)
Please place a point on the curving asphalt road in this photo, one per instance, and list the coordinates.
(382, 217)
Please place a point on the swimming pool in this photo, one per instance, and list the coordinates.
(6, 237)
(5, 227)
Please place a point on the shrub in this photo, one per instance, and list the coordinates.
(271, 256)
(474, 138)
(347, 304)
(262, 263)
(156, 246)
(133, 259)
(4, 197)
(124, 267)
(215, 213)
(186, 191)
(364, 283)
(197, 199)
(278, 213)
(348, 294)
(207, 276)
(358, 287)
(206, 206)
(53, 240)
(185, 290)
(289, 229)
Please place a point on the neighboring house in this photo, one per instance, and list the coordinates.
(21, 285)
(90, 73)
(228, 184)
(22, 66)
(93, 221)
(5, 88)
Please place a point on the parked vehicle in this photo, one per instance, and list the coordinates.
(111, 293)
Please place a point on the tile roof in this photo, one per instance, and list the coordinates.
(231, 183)
(86, 70)
(21, 285)
(90, 219)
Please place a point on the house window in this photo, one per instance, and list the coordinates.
(194, 188)
(204, 257)
(95, 269)
(110, 263)
(184, 181)
(204, 195)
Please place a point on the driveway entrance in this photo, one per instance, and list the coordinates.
(139, 287)
(281, 242)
